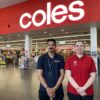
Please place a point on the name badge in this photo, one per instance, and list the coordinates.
(57, 61)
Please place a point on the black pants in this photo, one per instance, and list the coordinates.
(44, 96)
(78, 97)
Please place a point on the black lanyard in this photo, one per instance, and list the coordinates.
(50, 65)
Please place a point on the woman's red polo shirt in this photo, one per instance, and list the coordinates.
(80, 71)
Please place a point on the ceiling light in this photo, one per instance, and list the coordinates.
(45, 32)
(62, 42)
(50, 34)
(18, 35)
(8, 46)
(66, 32)
(62, 30)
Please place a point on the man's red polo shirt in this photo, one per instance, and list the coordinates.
(80, 71)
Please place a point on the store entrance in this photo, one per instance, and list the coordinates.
(13, 45)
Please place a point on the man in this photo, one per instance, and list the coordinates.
(51, 73)
(81, 73)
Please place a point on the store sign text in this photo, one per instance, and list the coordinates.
(51, 15)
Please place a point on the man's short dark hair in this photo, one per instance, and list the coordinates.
(79, 41)
(53, 40)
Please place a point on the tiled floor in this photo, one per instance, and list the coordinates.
(16, 84)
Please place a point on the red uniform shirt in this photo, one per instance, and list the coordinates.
(80, 70)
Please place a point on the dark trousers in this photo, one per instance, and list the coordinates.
(44, 96)
(78, 97)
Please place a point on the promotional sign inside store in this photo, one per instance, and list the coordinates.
(39, 15)
(51, 14)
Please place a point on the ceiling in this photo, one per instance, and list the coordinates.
(68, 34)
(64, 33)
(6, 3)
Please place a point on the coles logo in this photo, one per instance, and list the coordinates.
(51, 15)
(75, 63)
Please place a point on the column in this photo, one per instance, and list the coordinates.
(36, 48)
(28, 45)
(93, 42)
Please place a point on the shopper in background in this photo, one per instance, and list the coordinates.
(51, 73)
(81, 73)
(99, 59)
